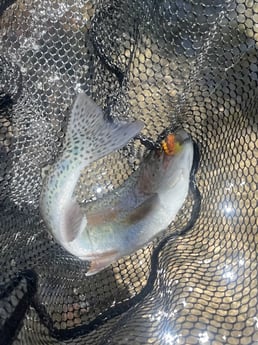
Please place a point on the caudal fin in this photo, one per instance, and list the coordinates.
(90, 136)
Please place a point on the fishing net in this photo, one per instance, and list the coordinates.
(167, 63)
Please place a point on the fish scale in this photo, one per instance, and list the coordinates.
(126, 218)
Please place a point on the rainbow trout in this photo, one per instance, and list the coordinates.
(126, 218)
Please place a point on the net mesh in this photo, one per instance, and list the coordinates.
(192, 63)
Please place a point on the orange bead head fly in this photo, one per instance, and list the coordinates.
(170, 145)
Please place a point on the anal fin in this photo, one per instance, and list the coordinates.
(101, 261)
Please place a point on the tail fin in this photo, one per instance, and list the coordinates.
(90, 137)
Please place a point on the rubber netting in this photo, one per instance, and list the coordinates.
(165, 62)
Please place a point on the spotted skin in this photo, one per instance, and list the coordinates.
(126, 218)
(89, 137)
(132, 215)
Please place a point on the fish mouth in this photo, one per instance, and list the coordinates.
(182, 136)
(174, 141)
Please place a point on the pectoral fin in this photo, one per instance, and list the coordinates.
(74, 221)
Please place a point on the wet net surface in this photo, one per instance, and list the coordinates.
(192, 63)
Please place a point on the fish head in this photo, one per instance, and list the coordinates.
(163, 166)
(176, 158)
